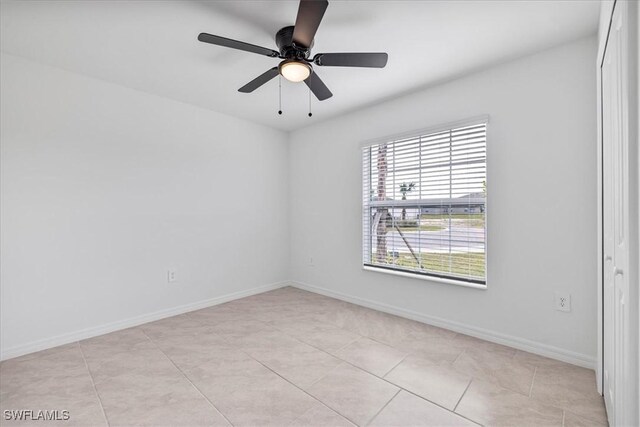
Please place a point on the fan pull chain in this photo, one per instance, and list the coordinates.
(310, 103)
(279, 94)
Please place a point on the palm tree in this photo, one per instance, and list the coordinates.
(404, 189)
(484, 194)
(381, 219)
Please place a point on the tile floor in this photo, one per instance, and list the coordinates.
(294, 358)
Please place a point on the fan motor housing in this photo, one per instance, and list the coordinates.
(284, 41)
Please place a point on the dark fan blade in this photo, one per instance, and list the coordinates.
(235, 44)
(259, 81)
(359, 59)
(310, 13)
(318, 87)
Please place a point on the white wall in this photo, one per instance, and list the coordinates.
(542, 203)
(638, 202)
(105, 188)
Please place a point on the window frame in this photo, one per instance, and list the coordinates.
(432, 277)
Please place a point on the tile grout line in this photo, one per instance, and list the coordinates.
(310, 409)
(383, 406)
(300, 416)
(401, 389)
(300, 388)
(268, 325)
(323, 376)
(186, 377)
(343, 361)
(533, 379)
(375, 339)
(463, 393)
(93, 383)
(360, 336)
(334, 324)
(395, 366)
(349, 343)
(332, 369)
(280, 376)
(367, 372)
(554, 405)
(305, 342)
(458, 356)
(439, 405)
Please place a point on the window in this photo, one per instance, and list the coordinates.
(424, 204)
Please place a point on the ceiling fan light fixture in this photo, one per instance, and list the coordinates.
(295, 71)
(294, 46)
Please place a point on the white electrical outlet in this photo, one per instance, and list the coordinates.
(171, 276)
(311, 264)
(563, 301)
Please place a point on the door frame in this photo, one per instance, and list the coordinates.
(606, 16)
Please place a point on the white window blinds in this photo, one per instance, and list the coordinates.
(424, 203)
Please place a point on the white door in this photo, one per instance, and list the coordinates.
(615, 159)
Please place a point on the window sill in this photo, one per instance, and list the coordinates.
(425, 277)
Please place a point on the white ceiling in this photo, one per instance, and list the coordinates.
(151, 46)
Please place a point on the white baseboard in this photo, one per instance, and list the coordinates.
(485, 334)
(82, 334)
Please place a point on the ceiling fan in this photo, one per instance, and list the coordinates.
(294, 44)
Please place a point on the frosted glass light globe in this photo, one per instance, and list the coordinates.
(295, 71)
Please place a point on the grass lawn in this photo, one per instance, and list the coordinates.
(453, 216)
(464, 220)
(465, 264)
(423, 227)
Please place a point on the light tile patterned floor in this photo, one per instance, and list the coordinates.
(294, 358)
